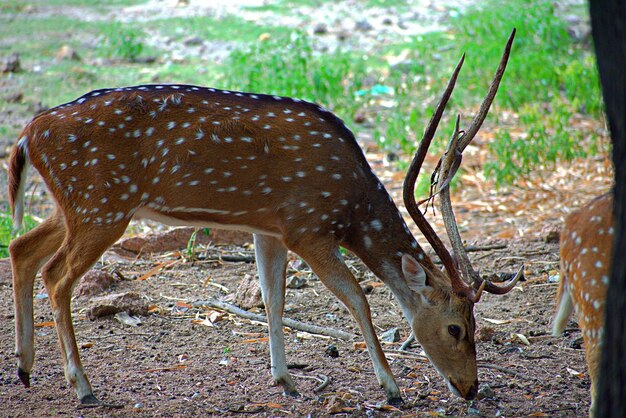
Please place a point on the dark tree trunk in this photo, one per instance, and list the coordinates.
(608, 21)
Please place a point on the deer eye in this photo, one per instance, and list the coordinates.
(454, 330)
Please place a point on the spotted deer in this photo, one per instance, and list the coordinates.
(586, 244)
(284, 169)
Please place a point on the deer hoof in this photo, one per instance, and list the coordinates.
(24, 377)
(395, 401)
(90, 401)
(291, 393)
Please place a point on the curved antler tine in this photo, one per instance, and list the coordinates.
(491, 94)
(413, 172)
(489, 287)
(479, 292)
(447, 170)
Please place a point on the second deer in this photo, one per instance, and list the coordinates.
(586, 245)
(286, 170)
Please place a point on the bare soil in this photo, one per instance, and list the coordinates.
(174, 365)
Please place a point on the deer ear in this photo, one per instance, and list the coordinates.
(414, 274)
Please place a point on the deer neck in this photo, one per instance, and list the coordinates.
(380, 239)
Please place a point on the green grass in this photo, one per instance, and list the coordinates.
(548, 81)
(285, 6)
(331, 80)
(7, 233)
(22, 4)
(228, 28)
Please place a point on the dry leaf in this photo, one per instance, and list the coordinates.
(574, 372)
(522, 338)
(497, 321)
(126, 319)
(159, 267)
(257, 340)
(45, 324)
(359, 345)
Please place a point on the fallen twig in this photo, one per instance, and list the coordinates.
(323, 379)
(291, 323)
(242, 258)
(405, 354)
(408, 342)
(505, 370)
(475, 248)
(130, 334)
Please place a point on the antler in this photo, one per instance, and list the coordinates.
(445, 171)
(409, 187)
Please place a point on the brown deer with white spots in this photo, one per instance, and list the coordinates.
(286, 170)
(586, 244)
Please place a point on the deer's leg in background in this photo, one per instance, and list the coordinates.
(271, 258)
(28, 254)
(80, 250)
(327, 263)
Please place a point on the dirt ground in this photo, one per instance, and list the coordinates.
(175, 364)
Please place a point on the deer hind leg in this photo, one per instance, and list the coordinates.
(271, 257)
(80, 250)
(28, 254)
(327, 263)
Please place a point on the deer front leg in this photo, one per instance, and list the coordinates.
(271, 258)
(329, 266)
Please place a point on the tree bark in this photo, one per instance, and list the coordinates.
(608, 21)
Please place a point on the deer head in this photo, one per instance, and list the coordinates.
(446, 326)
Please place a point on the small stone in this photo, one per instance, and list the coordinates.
(93, 283)
(320, 29)
(485, 334)
(130, 302)
(193, 41)
(332, 351)
(576, 344)
(367, 289)
(15, 97)
(342, 35)
(391, 336)
(66, 52)
(363, 26)
(359, 117)
(485, 391)
(296, 282)
(11, 64)
(248, 293)
(551, 234)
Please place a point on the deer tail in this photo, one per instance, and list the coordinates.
(18, 166)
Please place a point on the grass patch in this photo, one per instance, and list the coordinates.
(98, 4)
(331, 80)
(549, 80)
(7, 234)
(228, 28)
